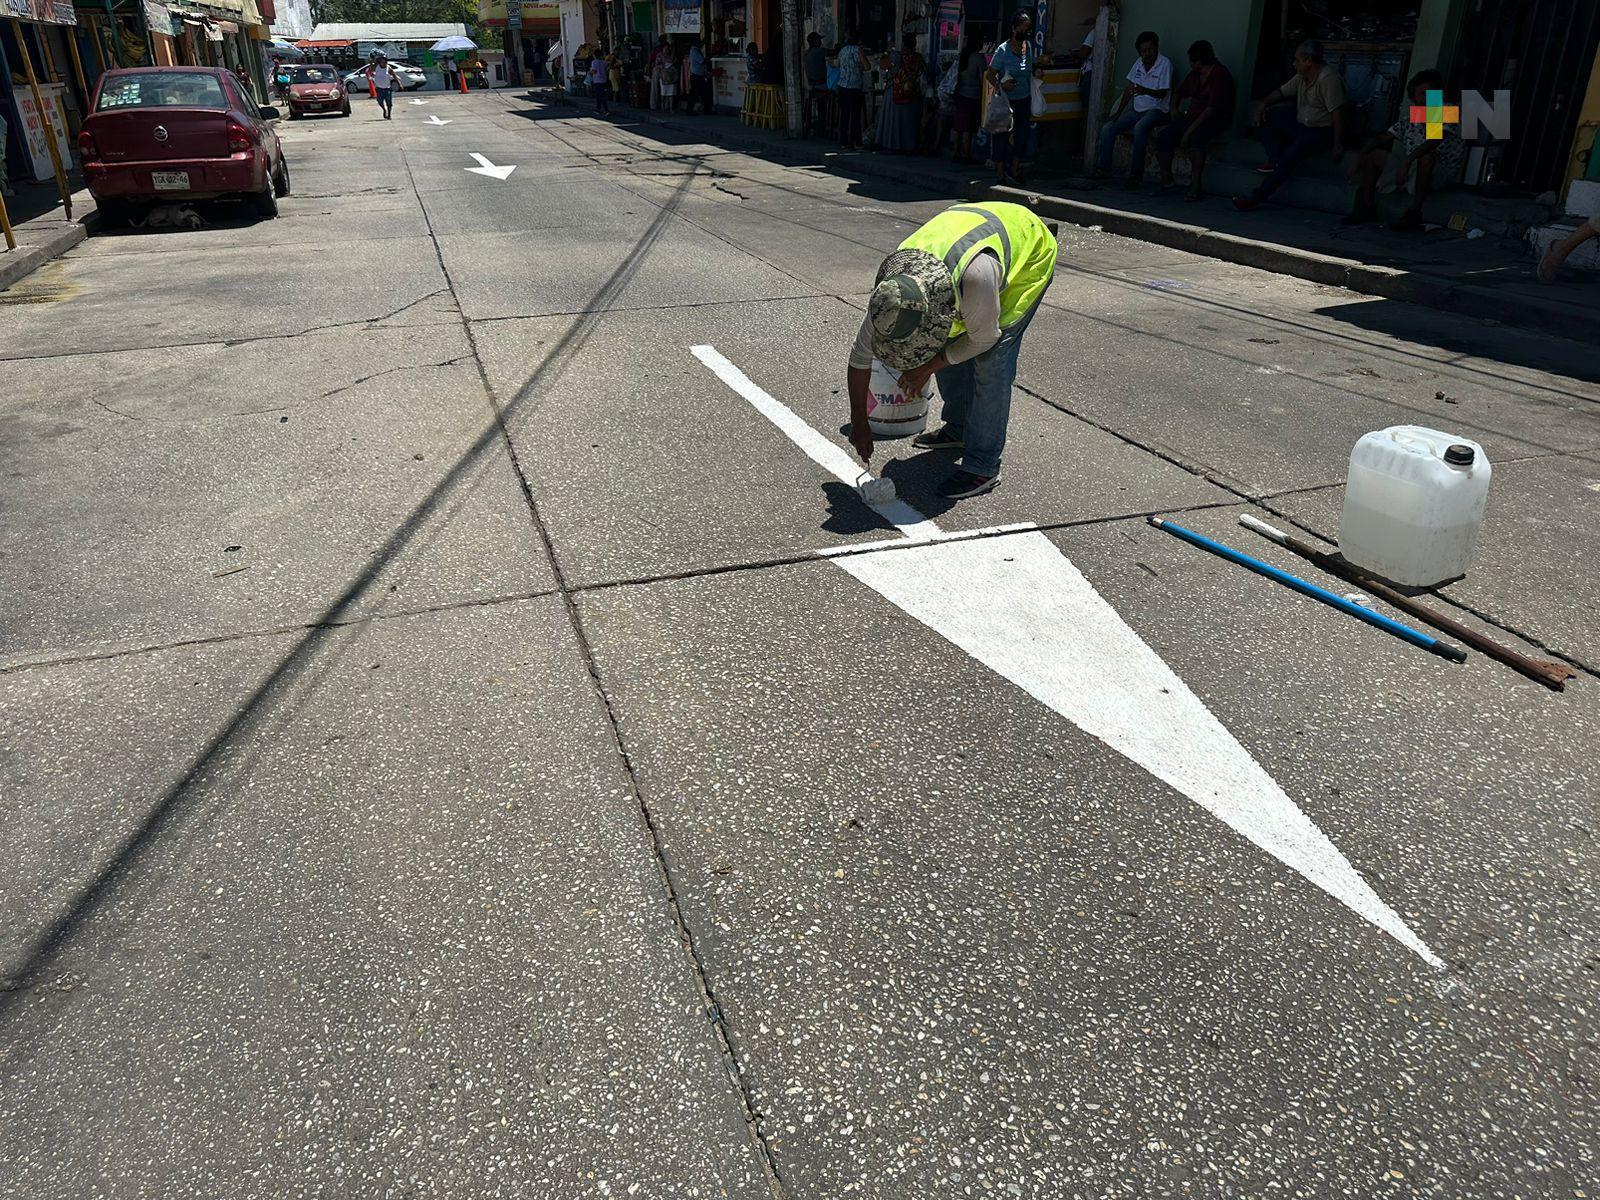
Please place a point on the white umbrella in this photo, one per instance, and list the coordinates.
(455, 42)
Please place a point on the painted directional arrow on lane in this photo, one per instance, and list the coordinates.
(433, 119)
(485, 167)
(1019, 606)
(419, 102)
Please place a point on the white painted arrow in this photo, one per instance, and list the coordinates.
(1016, 604)
(433, 119)
(419, 102)
(485, 167)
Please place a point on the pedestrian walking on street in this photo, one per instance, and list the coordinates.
(699, 79)
(1011, 72)
(383, 81)
(850, 90)
(968, 100)
(600, 84)
(952, 303)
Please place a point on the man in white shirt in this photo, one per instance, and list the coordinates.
(1150, 90)
(383, 82)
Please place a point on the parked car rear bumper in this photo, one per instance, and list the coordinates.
(208, 177)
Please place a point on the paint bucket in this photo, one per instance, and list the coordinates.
(891, 414)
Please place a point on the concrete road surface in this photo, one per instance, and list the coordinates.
(461, 735)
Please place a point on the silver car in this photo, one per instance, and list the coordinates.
(409, 76)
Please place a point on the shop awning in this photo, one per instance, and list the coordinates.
(324, 44)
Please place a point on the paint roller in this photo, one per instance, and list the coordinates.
(875, 493)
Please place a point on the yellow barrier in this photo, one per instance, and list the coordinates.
(764, 106)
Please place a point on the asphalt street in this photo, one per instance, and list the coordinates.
(461, 734)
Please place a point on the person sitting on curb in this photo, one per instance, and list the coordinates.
(1150, 90)
(1205, 104)
(1550, 264)
(1404, 155)
(1315, 124)
(952, 303)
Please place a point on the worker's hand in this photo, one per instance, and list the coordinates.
(913, 381)
(861, 439)
(1183, 142)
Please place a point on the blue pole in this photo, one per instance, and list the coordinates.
(1404, 632)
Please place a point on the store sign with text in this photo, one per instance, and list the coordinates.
(45, 12)
(533, 16)
(158, 17)
(36, 129)
(683, 16)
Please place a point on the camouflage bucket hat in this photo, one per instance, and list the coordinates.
(912, 308)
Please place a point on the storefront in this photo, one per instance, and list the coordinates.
(56, 110)
(523, 42)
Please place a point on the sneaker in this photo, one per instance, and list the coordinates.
(1266, 168)
(937, 439)
(1246, 203)
(964, 483)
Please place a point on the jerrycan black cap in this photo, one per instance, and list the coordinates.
(1460, 456)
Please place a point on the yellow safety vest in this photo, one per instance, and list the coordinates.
(1025, 247)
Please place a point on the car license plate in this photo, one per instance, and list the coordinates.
(170, 181)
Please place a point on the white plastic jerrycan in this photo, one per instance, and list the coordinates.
(1413, 504)
(891, 414)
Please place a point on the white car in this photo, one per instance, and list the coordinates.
(409, 77)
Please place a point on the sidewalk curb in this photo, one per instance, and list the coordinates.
(1390, 283)
(27, 258)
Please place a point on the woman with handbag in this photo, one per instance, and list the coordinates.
(1011, 74)
(901, 125)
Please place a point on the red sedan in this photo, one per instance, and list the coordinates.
(315, 87)
(158, 134)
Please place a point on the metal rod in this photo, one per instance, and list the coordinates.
(1404, 632)
(68, 33)
(44, 116)
(5, 226)
(1552, 674)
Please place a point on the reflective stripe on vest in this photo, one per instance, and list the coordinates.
(1021, 243)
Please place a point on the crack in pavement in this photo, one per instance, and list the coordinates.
(571, 342)
(19, 665)
(371, 323)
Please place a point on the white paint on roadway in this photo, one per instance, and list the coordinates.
(485, 167)
(433, 119)
(1019, 606)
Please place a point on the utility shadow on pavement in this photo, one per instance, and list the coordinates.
(1551, 352)
(668, 138)
(283, 685)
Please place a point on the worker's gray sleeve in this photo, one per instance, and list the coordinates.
(980, 310)
(861, 352)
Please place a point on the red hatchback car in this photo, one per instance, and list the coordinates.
(156, 134)
(315, 87)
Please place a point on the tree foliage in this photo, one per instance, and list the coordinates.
(384, 11)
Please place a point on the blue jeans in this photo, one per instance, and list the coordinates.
(386, 100)
(1141, 125)
(1287, 142)
(976, 397)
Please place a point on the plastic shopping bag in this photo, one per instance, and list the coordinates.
(997, 116)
